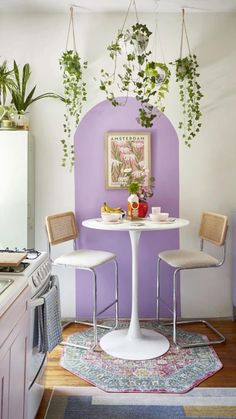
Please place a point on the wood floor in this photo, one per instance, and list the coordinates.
(226, 377)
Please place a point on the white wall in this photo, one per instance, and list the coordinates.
(207, 170)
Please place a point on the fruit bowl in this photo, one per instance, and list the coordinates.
(111, 216)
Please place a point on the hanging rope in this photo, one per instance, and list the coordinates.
(126, 16)
(71, 27)
(157, 37)
(127, 13)
(135, 9)
(184, 31)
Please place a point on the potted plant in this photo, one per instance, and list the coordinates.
(7, 115)
(146, 79)
(186, 71)
(6, 82)
(21, 99)
(75, 95)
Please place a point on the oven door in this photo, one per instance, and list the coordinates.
(36, 360)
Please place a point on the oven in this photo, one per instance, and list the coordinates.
(37, 268)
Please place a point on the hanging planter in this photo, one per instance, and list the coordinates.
(187, 73)
(142, 77)
(75, 94)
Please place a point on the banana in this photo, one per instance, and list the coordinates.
(113, 209)
(106, 208)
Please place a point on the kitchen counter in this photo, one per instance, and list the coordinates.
(10, 294)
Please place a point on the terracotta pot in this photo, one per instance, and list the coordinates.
(142, 209)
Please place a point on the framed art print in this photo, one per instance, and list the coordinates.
(125, 150)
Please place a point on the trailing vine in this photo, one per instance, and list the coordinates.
(141, 76)
(190, 96)
(187, 73)
(75, 94)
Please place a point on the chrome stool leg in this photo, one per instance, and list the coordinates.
(116, 295)
(174, 307)
(158, 290)
(175, 323)
(94, 324)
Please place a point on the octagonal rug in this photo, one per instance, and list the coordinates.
(177, 371)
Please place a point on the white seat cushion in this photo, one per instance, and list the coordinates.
(188, 259)
(84, 258)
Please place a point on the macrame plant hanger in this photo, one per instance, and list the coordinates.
(71, 29)
(132, 2)
(184, 32)
(157, 38)
(74, 91)
(189, 89)
(127, 13)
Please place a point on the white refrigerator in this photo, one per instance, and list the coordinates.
(16, 189)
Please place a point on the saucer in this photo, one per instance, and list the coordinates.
(167, 221)
(109, 222)
(136, 224)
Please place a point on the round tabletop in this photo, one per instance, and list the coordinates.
(139, 225)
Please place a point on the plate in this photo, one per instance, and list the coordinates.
(168, 221)
(99, 220)
(136, 224)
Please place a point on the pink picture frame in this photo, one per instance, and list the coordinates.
(125, 150)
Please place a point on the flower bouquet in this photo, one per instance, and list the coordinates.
(139, 183)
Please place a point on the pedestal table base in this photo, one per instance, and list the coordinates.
(150, 345)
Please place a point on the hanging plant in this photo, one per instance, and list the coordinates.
(187, 73)
(75, 94)
(142, 77)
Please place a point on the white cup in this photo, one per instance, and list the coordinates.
(154, 217)
(156, 210)
(163, 216)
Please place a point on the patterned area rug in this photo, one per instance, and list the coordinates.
(91, 403)
(177, 371)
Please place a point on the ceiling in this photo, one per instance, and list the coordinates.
(115, 6)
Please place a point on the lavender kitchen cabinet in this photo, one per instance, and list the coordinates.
(14, 326)
(4, 384)
(16, 189)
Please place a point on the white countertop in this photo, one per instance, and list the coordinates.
(12, 292)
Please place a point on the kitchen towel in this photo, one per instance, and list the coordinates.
(49, 318)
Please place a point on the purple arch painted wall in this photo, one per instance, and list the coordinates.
(90, 193)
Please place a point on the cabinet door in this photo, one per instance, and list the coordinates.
(4, 385)
(13, 359)
(18, 375)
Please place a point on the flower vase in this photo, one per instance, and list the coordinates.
(22, 121)
(142, 209)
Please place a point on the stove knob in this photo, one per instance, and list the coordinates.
(37, 279)
(33, 280)
(48, 266)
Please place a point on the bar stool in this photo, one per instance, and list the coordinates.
(62, 227)
(213, 229)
